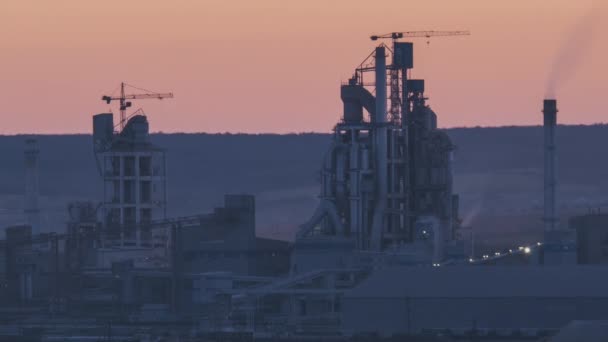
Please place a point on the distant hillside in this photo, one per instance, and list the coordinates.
(498, 171)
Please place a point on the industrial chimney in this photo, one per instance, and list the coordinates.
(380, 150)
(550, 121)
(32, 212)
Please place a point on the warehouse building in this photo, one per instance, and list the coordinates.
(412, 300)
(591, 238)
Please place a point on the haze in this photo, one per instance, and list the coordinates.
(276, 65)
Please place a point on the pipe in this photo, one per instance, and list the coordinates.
(550, 179)
(341, 167)
(381, 115)
(326, 176)
(354, 191)
(325, 209)
(380, 149)
(329, 192)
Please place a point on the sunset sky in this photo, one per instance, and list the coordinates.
(276, 65)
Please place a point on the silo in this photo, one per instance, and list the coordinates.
(103, 130)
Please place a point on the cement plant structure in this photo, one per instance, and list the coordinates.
(380, 258)
(133, 171)
(387, 177)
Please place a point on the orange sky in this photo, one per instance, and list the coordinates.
(276, 65)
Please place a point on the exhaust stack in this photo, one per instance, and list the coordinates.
(380, 130)
(550, 122)
(31, 209)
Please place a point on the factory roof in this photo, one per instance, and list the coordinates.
(484, 282)
(589, 331)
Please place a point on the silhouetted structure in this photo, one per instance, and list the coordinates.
(32, 209)
(134, 180)
(379, 259)
(591, 237)
(550, 124)
(387, 179)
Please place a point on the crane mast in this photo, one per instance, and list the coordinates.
(397, 110)
(124, 104)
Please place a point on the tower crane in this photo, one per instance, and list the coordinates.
(397, 103)
(124, 104)
(419, 34)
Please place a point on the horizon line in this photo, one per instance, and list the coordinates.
(160, 132)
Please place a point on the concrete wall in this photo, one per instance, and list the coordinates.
(272, 263)
(225, 241)
(592, 245)
(591, 238)
(315, 254)
(389, 316)
(204, 260)
(104, 258)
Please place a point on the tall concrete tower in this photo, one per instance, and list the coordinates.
(134, 178)
(31, 209)
(559, 247)
(550, 183)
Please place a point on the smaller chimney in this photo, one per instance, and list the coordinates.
(31, 209)
(550, 122)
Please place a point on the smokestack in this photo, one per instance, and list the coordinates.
(31, 209)
(381, 150)
(380, 71)
(550, 122)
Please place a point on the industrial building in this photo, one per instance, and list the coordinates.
(31, 264)
(134, 176)
(499, 298)
(591, 237)
(381, 257)
(123, 258)
(590, 331)
(387, 177)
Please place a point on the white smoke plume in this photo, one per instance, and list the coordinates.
(472, 214)
(574, 48)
